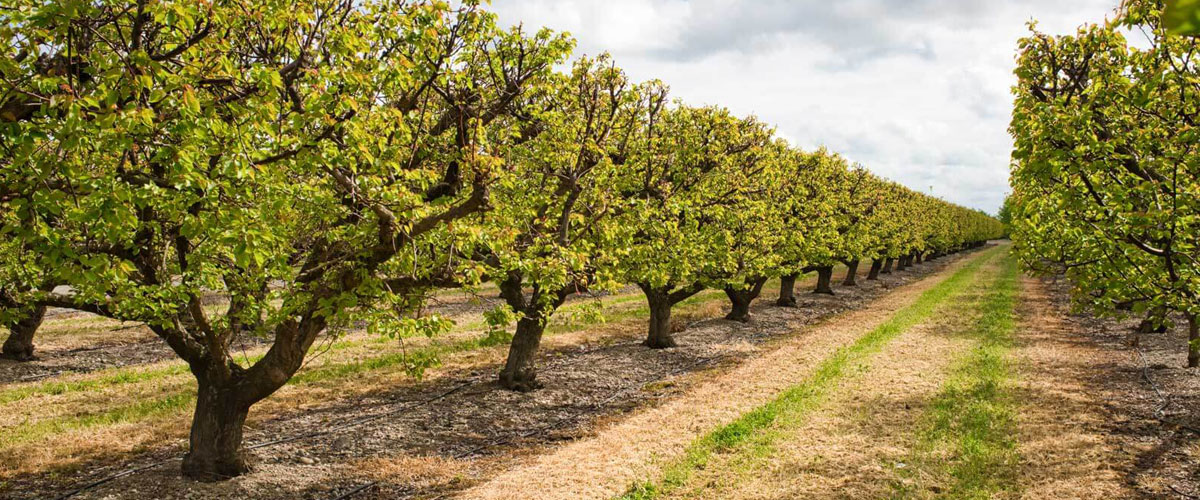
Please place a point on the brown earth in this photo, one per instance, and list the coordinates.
(456, 428)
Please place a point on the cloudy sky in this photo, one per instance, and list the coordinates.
(916, 90)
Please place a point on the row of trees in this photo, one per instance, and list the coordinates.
(1106, 167)
(318, 164)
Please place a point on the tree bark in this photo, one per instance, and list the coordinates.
(216, 452)
(19, 345)
(787, 291)
(740, 299)
(851, 274)
(661, 301)
(1193, 360)
(901, 263)
(876, 266)
(520, 373)
(917, 258)
(824, 279)
(659, 333)
(887, 266)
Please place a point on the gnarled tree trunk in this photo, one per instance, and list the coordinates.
(917, 258)
(851, 274)
(887, 265)
(740, 299)
(876, 266)
(787, 291)
(19, 345)
(824, 280)
(901, 263)
(519, 372)
(660, 301)
(216, 452)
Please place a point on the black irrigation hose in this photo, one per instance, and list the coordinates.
(347, 425)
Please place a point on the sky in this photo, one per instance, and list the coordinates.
(915, 90)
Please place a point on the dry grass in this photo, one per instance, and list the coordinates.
(1061, 426)
(604, 465)
(850, 447)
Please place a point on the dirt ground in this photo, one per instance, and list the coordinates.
(1103, 414)
(1111, 414)
(456, 428)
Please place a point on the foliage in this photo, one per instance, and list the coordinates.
(1106, 170)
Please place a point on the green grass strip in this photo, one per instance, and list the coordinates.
(808, 394)
(967, 447)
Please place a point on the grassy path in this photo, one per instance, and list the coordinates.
(666, 444)
(967, 446)
(732, 449)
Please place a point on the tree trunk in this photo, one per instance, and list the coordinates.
(787, 291)
(824, 278)
(740, 299)
(1193, 341)
(19, 345)
(876, 266)
(887, 266)
(519, 373)
(659, 333)
(901, 263)
(851, 274)
(216, 452)
(917, 258)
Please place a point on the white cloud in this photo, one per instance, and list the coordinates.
(916, 90)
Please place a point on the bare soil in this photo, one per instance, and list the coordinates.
(1110, 414)
(457, 428)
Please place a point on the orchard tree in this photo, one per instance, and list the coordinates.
(19, 276)
(158, 151)
(685, 174)
(552, 233)
(813, 198)
(1106, 165)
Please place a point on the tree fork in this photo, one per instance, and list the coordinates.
(660, 302)
(740, 299)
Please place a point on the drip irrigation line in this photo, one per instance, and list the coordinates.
(1159, 413)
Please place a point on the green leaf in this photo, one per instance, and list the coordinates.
(1182, 17)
